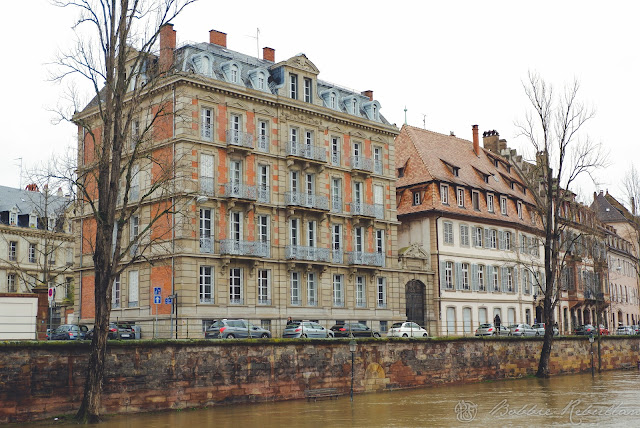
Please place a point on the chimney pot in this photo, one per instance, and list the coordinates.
(218, 38)
(269, 54)
(369, 94)
(476, 141)
(167, 47)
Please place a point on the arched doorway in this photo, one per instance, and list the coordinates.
(414, 297)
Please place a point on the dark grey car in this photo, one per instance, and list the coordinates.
(230, 329)
(69, 332)
(306, 329)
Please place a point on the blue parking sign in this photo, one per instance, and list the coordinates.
(157, 300)
(157, 291)
(167, 301)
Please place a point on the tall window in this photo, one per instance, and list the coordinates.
(263, 183)
(307, 90)
(382, 292)
(236, 128)
(477, 237)
(32, 253)
(206, 284)
(336, 195)
(133, 289)
(490, 203)
(444, 194)
(207, 124)
(377, 160)
(294, 182)
(494, 238)
(263, 234)
(481, 285)
(358, 195)
(206, 243)
(235, 225)
(263, 135)
(134, 230)
(464, 235)
(235, 286)
(311, 234)
(135, 133)
(380, 243)
(115, 293)
(416, 198)
(11, 283)
(206, 174)
(295, 288)
(293, 86)
(13, 218)
(264, 287)
(519, 210)
(507, 241)
(335, 151)
(338, 290)
(134, 188)
(361, 301)
(336, 243)
(448, 275)
(359, 239)
(503, 205)
(312, 290)
(294, 231)
(448, 232)
(494, 279)
(465, 276)
(475, 200)
(13, 248)
(461, 198)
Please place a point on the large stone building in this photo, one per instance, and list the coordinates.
(467, 208)
(285, 199)
(36, 246)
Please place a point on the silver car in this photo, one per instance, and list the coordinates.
(306, 329)
(407, 329)
(489, 329)
(539, 328)
(522, 330)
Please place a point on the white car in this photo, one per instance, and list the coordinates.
(521, 330)
(406, 329)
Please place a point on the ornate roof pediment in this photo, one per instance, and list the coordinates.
(414, 251)
(300, 62)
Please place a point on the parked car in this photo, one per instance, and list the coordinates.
(522, 330)
(306, 329)
(353, 329)
(489, 329)
(636, 328)
(116, 331)
(69, 332)
(584, 330)
(407, 329)
(539, 327)
(625, 330)
(604, 331)
(230, 329)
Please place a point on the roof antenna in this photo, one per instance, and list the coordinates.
(405, 115)
(20, 159)
(424, 121)
(257, 37)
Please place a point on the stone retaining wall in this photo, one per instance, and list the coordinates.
(40, 380)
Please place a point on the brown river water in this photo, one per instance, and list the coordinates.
(608, 399)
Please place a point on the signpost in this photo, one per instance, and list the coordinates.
(157, 300)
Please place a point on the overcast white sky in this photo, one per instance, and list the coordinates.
(457, 62)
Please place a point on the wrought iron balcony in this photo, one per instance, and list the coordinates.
(311, 301)
(367, 210)
(314, 254)
(264, 194)
(262, 301)
(244, 248)
(263, 143)
(307, 151)
(236, 301)
(336, 204)
(377, 167)
(338, 302)
(362, 163)
(206, 186)
(335, 159)
(207, 300)
(382, 305)
(239, 190)
(361, 304)
(337, 256)
(308, 200)
(239, 139)
(364, 258)
(206, 244)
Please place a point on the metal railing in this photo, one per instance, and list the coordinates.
(367, 210)
(335, 159)
(336, 204)
(239, 190)
(239, 138)
(307, 151)
(308, 200)
(206, 186)
(263, 143)
(377, 167)
(337, 256)
(244, 248)
(206, 244)
(365, 258)
(264, 194)
(362, 163)
(299, 252)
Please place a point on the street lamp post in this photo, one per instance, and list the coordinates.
(353, 346)
(591, 342)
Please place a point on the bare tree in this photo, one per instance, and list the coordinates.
(553, 128)
(114, 55)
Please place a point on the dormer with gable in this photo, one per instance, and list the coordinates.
(296, 78)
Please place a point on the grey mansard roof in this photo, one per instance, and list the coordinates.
(28, 201)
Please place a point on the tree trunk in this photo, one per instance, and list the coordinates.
(543, 364)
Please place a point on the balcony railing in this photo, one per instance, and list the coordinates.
(236, 301)
(382, 305)
(307, 151)
(337, 256)
(361, 304)
(206, 186)
(367, 210)
(336, 204)
(308, 200)
(314, 254)
(335, 159)
(206, 244)
(239, 138)
(377, 167)
(207, 300)
(312, 301)
(262, 301)
(264, 194)
(295, 301)
(364, 258)
(244, 248)
(263, 143)
(239, 190)
(338, 302)
(362, 163)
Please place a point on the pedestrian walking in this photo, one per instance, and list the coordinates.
(289, 321)
(496, 323)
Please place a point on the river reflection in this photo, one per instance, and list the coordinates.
(609, 399)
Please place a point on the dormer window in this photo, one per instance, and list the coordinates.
(400, 172)
(485, 178)
(13, 216)
(33, 220)
(51, 223)
(231, 71)
(352, 105)
(456, 171)
(202, 64)
(307, 90)
(512, 185)
(372, 110)
(293, 86)
(330, 98)
(258, 79)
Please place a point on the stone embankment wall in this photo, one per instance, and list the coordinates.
(40, 380)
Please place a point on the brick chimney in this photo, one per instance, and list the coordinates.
(369, 94)
(218, 38)
(476, 140)
(167, 47)
(269, 54)
(490, 141)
